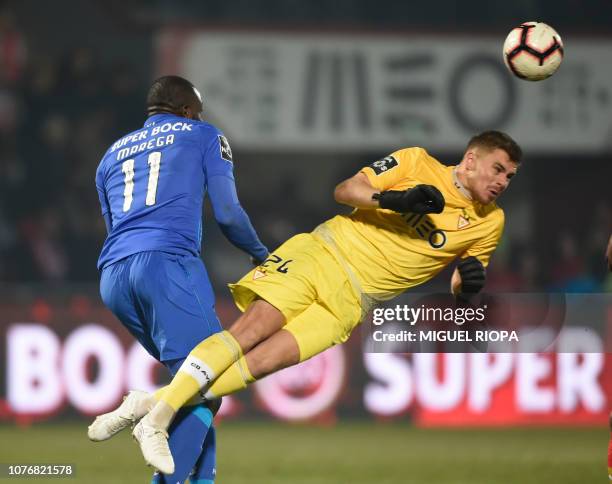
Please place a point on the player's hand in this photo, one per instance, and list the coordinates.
(472, 274)
(421, 199)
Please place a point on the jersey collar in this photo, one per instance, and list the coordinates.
(151, 120)
(464, 191)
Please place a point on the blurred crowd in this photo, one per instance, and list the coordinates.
(58, 116)
(576, 264)
(573, 14)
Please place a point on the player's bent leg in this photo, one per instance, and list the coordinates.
(188, 432)
(202, 366)
(260, 320)
(216, 354)
(205, 470)
(116, 293)
(275, 353)
(185, 437)
(237, 377)
(318, 329)
(308, 334)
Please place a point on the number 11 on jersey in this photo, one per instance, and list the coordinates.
(154, 162)
(127, 168)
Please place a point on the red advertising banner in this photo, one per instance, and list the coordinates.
(66, 355)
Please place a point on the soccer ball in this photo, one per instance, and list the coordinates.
(533, 51)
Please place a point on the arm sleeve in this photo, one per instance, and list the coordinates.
(483, 248)
(104, 205)
(229, 214)
(387, 172)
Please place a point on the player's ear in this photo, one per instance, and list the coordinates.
(470, 160)
(186, 112)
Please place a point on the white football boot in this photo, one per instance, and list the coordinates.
(154, 446)
(135, 405)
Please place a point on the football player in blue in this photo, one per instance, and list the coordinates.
(151, 184)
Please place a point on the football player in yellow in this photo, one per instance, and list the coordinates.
(413, 216)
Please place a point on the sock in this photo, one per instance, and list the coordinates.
(195, 400)
(235, 378)
(157, 394)
(205, 472)
(161, 416)
(202, 366)
(188, 433)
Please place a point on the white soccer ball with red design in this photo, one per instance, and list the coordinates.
(533, 51)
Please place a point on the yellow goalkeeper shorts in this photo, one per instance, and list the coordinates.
(304, 281)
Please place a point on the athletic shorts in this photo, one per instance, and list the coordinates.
(305, 282)
(165, 301)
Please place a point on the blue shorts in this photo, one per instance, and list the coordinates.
(165, 301)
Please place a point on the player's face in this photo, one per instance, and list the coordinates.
(489, 173)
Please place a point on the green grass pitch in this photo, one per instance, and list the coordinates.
(351, 453)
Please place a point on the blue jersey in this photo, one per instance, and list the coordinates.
(152, 182)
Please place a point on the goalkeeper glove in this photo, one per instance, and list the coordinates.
(472, 274)
(421, 199)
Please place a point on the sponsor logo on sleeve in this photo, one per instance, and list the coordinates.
(384, 165)
(226, 151)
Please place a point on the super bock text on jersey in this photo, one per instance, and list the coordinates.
(152, 183)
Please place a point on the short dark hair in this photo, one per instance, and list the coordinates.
(170, 94)
(496, 139)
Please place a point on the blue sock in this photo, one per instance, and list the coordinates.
(205, 471)
(187, 435)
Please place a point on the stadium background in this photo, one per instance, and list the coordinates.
(307, 93)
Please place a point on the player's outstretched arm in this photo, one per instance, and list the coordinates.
(232, 219)
(357, 192)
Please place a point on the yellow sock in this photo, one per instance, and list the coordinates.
(195, 400)
(202, 366)
(157, 394)
(235, 378)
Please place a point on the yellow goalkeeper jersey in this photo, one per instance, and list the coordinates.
(388, 252)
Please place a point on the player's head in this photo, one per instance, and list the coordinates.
(174, 95)
(490, 161)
